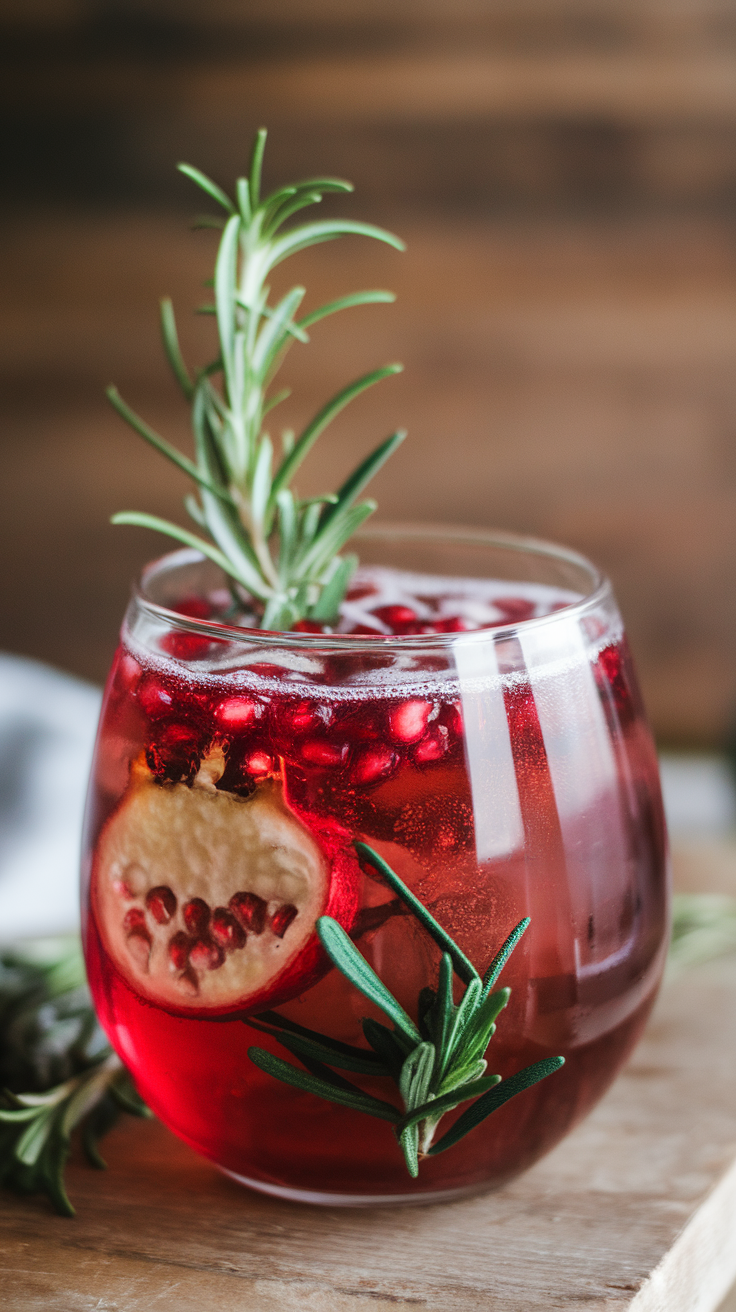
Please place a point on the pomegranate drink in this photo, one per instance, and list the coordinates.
(485, 738)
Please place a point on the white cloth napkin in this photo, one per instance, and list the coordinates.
(47, 730)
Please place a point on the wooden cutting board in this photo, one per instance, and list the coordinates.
(636, 1210)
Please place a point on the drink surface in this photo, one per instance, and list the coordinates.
(509, 773)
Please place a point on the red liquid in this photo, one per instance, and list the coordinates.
(411, 776)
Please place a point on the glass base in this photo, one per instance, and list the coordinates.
(318, 1199)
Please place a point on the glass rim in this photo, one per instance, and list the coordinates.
(363, 643)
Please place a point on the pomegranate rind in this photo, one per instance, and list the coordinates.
(209, 844)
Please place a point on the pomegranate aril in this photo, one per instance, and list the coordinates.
(432, 747)
(452, 717)
(226, 930)
(282, 918)
(175, 753)
(303, 717)
(361, 590)
(196, 916)
(455, 624)
(186, 646)
(250, 910)
(195, 607)
(154, 698)
(610, 664)
(319, 751)
(161, 903)
(259, 764)
(395, 615)
(134, 920)
(206, 955)
(237, 712)
(128, 674)
(179, 946)
(407, 723)
(308, 626)
(372, 764)
(515, 609)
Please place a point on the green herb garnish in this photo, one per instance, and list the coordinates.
(278, 550)
(436, 1064)
(50, 1036)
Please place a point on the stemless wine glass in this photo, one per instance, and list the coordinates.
(502, 771)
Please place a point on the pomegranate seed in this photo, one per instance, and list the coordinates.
(134, 919)
(432, 747)
(318, 751)
(408, 722)
(206, 955)
(361, 590)
(196, 916)
(154, 698)
(308, 626)
(281, 919)
(304, 716)
(195, 607)
(226, 931)
(185, 646)
(128, 673)
(250, 910)
(372, 764)
(259, 763)
(452, 717)
(611, 664)
(395, 615)
(179, 946)
(237, 712)
(161, 903)
(515, 609)
(455, 624)
(175, 753)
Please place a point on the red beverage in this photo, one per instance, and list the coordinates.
(486, 739)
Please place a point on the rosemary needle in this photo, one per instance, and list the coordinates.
(436, 1064)
(281, 552)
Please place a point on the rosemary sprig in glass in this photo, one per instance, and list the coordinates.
(57, 1069)
(280, 552)
(436, 1064)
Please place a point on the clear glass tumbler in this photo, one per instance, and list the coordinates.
(503, 771)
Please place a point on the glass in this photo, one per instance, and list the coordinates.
(502, 772)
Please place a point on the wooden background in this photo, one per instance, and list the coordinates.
(564, 173)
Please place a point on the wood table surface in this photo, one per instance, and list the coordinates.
(636, 1210)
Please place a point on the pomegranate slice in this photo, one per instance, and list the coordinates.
(207, 901)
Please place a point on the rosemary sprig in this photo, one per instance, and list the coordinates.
(437, 1063)
(280, 551)
(49, 1036)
